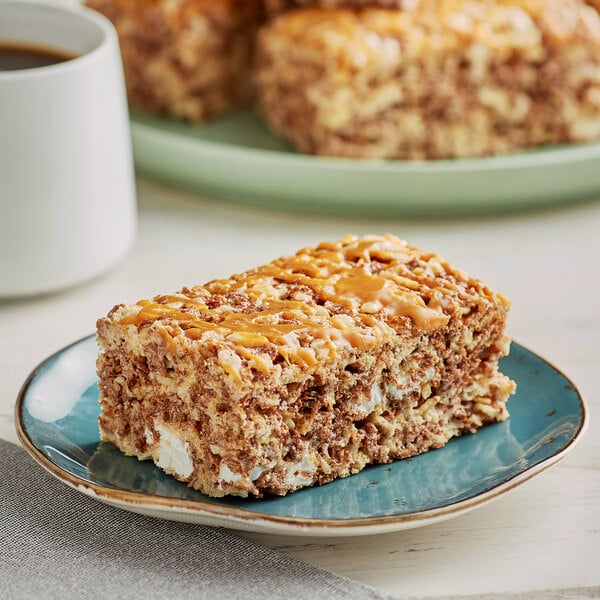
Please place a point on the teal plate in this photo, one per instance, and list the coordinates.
(236, 158)
(56, 416)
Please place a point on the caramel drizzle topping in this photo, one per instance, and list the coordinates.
(335, 273)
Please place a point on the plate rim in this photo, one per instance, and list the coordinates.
(245, 519)
(221, 168)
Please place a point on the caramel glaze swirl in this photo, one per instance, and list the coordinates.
(349, 291)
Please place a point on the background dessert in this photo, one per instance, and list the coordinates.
(372, 79)
(186, 58)
(448, 78)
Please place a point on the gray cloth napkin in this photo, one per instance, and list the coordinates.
(58, 543)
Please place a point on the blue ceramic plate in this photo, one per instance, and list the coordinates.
(236, 158)
(56, 420)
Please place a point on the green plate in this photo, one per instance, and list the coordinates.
(236, 158)
(56, 419)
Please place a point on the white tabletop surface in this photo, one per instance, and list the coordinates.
(542, 540)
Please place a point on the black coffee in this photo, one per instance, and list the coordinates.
(14, 57)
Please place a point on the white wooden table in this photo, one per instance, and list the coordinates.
(541, 540)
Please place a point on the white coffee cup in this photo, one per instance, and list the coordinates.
(67, 195)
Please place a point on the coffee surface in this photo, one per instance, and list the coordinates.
(14, 57)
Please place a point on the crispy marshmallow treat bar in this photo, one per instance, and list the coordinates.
(303, 370)
(186, 58)
(438, 79)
